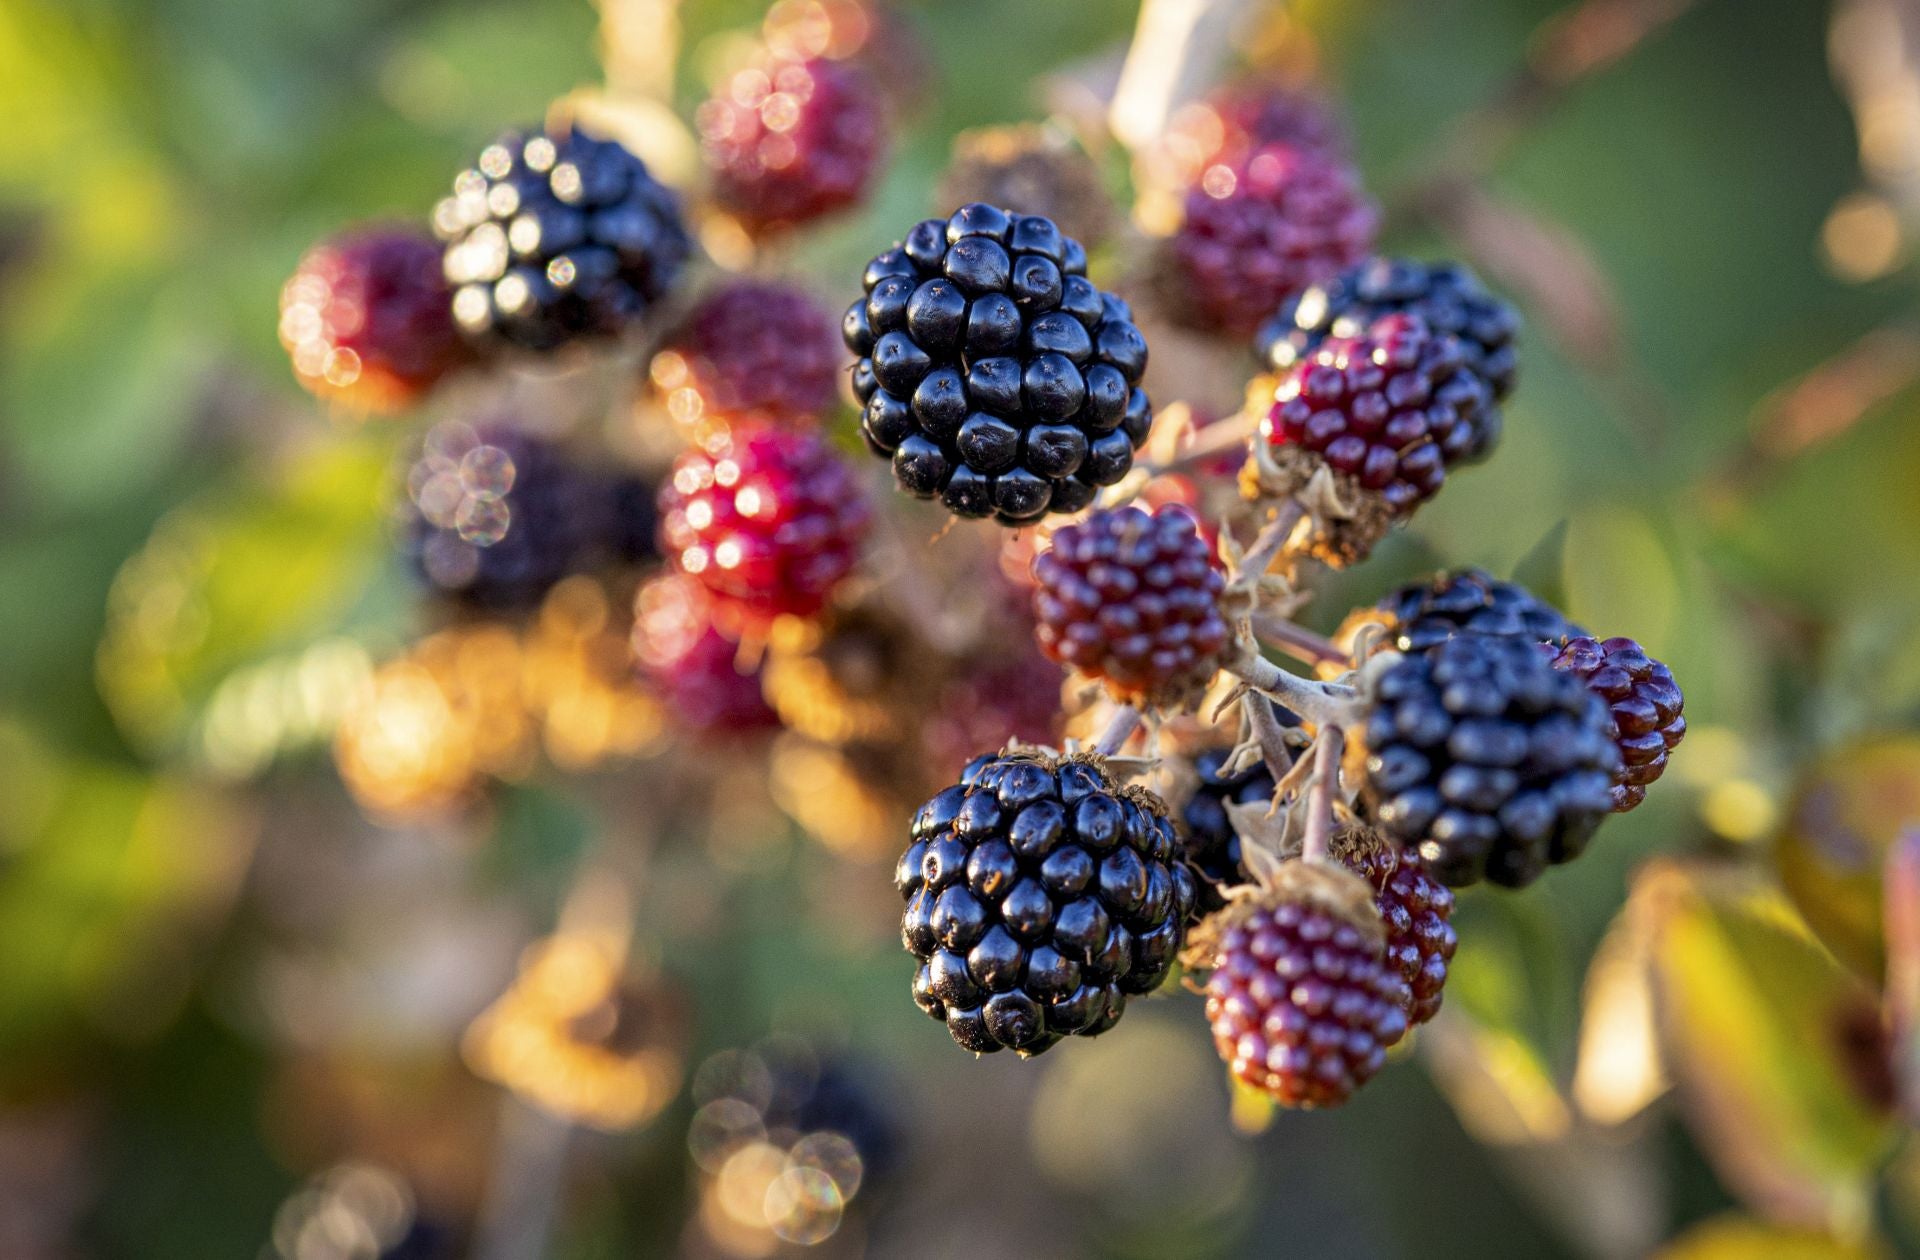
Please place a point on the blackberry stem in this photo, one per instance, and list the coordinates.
(1326, 776)
(1267, 730)
(1125, 720)
(1271, 538)
(1323, 704)
(1298, 641)
(1209, 443)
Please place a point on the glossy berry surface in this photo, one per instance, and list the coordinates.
(751, 350)
(557, 236)
(1642, 699)
(365, 319)
(1416, 909)
(494, 517)
(695, 670)
(1040, 896)
(1213, 846)
(1389, 409)
(1302, 1003)
(769, 521)
(1447, 296)
(1258, 231)
(1132, 599)
(1487, 761)
(1421, 615)
(994, 375)
(789, 139)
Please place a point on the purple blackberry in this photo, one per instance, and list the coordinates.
(1040, 896)
(1642, 699)
(994, 374)
(1421, 615)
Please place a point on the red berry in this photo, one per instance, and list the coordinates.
(1133, 600)
(790, 139)
(691, 665)
(1258, 231)
(367, 318)
(1389, 408)
(1643, 702)
(1414, 908)
(1302, 1000)
(752, 350)
(768, 520)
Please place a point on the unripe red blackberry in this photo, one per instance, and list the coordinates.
(1642, 700)
(555, 237)
(1302, 999)
(1232, 122)
(1040, 895)
(995, 375)
(1415, 909)
(1387, 411)
(1256, 232)
(1133, 600)
(1447, 296)
(365, 319)
(1421, 615)
(789, 139)
(1486, 760)
(751, 350)
(768, 520)
(694, 669)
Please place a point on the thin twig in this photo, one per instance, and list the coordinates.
(1299, 642)
(1326, 779)
(1323, 704)
(1120, 727)
(1270, 734)
(1215, 440)
(1271, 538)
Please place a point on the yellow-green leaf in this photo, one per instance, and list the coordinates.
(1743, 1238)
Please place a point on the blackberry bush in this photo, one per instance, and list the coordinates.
(994, 375)
(557, 236)
(1040, 896)
(1643, 703)
(1487, 761)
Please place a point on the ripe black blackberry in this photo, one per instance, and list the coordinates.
(1213, 846)
(1642, 699)
(993, 373)
(1133, 600)
(494, 517)
(1486, 760)
(1302, 998)
(1421, 615)
(557, 236)
(1448, 296)
(1040, 895)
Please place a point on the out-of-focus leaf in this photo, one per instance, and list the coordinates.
(1753, 1018)
(1619, 1072)
(246, 571)
(111, 875)
(1543, 570)
(1743, 1238)
(1847, 810)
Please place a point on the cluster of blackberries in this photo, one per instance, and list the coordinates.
(993, 373)
(1040, 896)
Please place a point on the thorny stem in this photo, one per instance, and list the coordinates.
(1326, 776)
(1125, 720)
(1271, 538)
(1267, 730)
(1298, 641)
(1323, 704)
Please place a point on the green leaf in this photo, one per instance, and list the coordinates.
(1751, 1012)
(1735, 1237)
(1543, 570)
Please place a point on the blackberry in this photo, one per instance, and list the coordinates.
(880, 39)
(1302, 999)
(1389, 411)
(692, 667)
(495, 517)
(751, 350)
(1415, 909)
(768, 520)
(366, 321)
(633, 519)
(994, 374)
(789, 139)
(1422, 615)
(1030, 169)
(1133, 600)
(1487, 760)
(556, 236)
(809, 1095)
(1256, 232)
(1642, 700)
(1448, 296)
(1212, 845)
(1040, 896)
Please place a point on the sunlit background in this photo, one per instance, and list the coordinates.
(337, 927)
